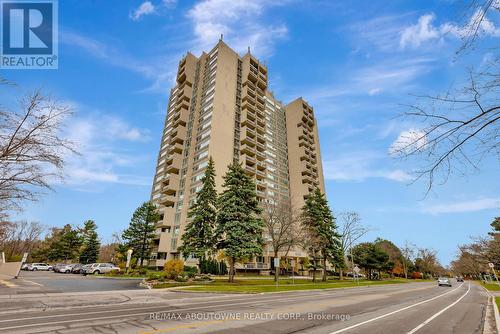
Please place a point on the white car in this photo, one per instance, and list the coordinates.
(444, 281)
(39, 266)
(99, 268)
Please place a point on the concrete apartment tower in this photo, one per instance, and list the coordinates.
(220, 107)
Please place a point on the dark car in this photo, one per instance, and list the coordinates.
(77, 269)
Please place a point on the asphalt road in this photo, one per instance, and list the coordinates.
(50, 282)
(401, 308)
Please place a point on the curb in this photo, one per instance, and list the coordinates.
(497, 313)
(491, 303)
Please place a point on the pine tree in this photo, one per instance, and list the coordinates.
(91, 244)
(198, 238)
(239, 227)
(65, 245)
(321, 228)
(141, 231)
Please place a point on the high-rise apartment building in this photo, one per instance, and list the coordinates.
(221, 107)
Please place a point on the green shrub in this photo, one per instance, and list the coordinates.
(173, 268)
(157, 276)
(181, 278)
(190, 271)
(212, 266)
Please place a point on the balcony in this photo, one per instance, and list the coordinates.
(167, 200)
(260, 156)
(249, 141)
(175, 148)
(250, 123)
(178, 135)
(261, 173)
(172, 169)
(250, 170)
(248, 150)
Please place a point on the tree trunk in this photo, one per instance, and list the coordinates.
(324, 269)
(276, 270)
(314, 271)
(231, 270)
(341, 274)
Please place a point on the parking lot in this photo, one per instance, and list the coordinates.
(50, 282)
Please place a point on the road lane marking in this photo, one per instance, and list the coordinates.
(296, 298)
(158, 308)
(439, 313)
(125, 315)
(153, 308)
(394, 312)
(262, 298)
(31, 282)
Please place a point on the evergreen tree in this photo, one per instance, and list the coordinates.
(318, 221)
(65, 244)
(141, 231)
(91, 244)
(239, 227)
(369, 256)
(198, 238)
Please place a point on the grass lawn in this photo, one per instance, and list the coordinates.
(491, 287)
(268, 285)
(497, 300)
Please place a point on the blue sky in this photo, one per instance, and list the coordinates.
(357, 63)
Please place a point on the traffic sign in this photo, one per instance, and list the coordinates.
(356, 269)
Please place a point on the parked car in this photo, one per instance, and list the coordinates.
(25, 266)
(65, 268)
(77, 268)
(57, 266)
(444, 281)
(99, 268)
(460, 279)
(39, 266)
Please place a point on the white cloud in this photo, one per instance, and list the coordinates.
(424, 30)
(387, 76)
(360, 166)
(420, 32)
(146, 8)
(160, 71)
(169, 3)
(238, 21)
(408, 141)
(465, 206)
(374, 91)
(99, 140)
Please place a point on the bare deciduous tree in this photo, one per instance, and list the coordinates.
(281, 228)
(408, 253)
(20, 237)
(351, 230)
(32, 149)
(459, 128)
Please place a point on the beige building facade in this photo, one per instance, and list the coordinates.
(221, 107)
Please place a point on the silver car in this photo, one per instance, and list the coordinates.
(39, 266)
(444, 281)
(99, 268)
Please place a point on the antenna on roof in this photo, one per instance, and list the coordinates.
(221, 37)
(249, 49)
